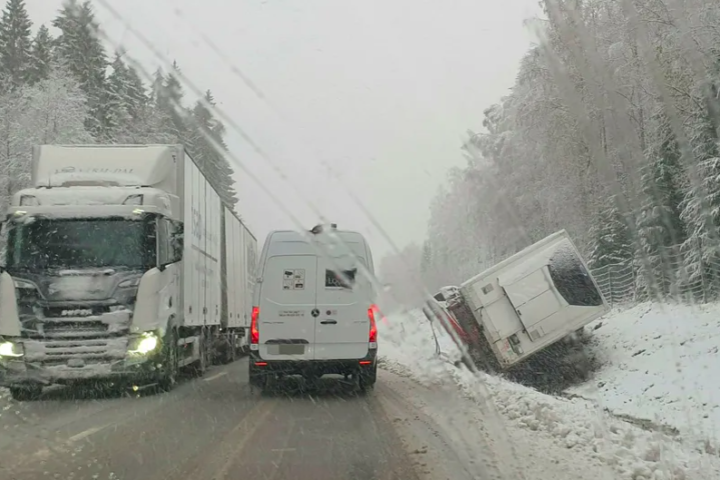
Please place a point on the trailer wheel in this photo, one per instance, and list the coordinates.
(26, 393)
(201, 365)
(231, 354)
(169, 374)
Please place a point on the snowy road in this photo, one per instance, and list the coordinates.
(216, 428)
(426, 420)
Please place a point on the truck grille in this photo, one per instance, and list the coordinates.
(70, 329)
(81, 322)
(58, 352)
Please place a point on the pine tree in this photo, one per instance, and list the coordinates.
(611, 243)
(137, 95)
(80, 50)
(118, 100)
(41, 55)
(156, 88)
(701, 205)
(659, 225)
(207, 134)
(701, 213)
(169, 97)
(139, 120)
(15, 44)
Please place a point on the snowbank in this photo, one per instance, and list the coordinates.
(660, 366)
(571, 430)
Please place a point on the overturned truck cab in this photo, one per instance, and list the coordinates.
(526, 303)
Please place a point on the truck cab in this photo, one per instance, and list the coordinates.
(90, 281)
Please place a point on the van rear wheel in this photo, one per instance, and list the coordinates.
(368, 378)
(257, 378)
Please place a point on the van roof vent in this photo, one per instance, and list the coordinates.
(317, 229)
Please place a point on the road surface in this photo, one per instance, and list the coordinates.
(216, 428)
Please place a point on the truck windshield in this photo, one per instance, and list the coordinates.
(572, 279)
(40, 244)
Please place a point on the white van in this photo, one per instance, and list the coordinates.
(314, 309)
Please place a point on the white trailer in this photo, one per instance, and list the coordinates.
(527, 302)
(239, 258)
(116, 269)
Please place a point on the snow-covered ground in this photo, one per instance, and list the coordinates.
(661, 369)
(576, 434)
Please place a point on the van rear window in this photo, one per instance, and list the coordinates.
(333, 279)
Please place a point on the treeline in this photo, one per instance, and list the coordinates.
(611, 132)
(62, 86)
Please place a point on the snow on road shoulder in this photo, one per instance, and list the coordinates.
(659, 368)
(569, 430)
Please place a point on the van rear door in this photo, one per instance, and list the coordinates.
(285, 323)
(342, 328)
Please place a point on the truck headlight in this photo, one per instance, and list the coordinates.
(25, 291)
(25, 285)
(10, 349)
(130, 282)
(143, 344)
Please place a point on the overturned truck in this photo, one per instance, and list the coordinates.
(536, 298)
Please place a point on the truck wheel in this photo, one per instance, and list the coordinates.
(169, 375)
(26, 393)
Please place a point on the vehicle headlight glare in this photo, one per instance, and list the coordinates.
(9, 349)
(146, 344)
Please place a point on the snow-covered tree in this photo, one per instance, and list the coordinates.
(660, 226)
(50, 111)
(207, 133)
(169, 96)
(611, 240)
(41, 55)
(15, 44)
(81, 51)
(609, 105)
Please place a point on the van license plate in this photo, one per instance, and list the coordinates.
(291, 349)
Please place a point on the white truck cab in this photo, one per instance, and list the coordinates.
(123, 265)
(314, 309)
(445, 294)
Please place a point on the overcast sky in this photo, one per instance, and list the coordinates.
(369, 96)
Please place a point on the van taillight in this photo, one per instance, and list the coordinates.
(373, 311)
(254, 332)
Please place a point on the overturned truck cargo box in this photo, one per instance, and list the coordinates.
(529, 301)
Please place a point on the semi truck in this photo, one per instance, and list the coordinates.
(122, 264)
(522, 305)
